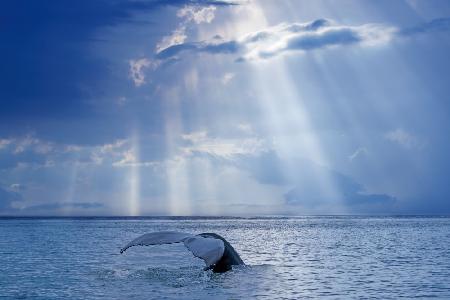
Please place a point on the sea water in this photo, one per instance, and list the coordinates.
(286, 258)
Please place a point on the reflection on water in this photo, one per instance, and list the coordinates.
(309, 257)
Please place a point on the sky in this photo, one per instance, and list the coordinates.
(204, 107)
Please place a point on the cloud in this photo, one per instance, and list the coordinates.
(4, 143)
(189, 14)
(307, 37)
(30, 151)
(227, 77)
(34, 77)
(23, 150)
(86, 37)
(266, 168)
(197, 14)
(75, 176)
(27, 143)
(312, 188)
(228, 47)
(436, 25)
(7, 198)
(404, 139)
(352, 198)
(59, 208)
(51, 207)
(288, 38)
(245, 128)
(200, 143)
(33, 144)
(17, 187)
(177, 37)
(137, 68)
(358, 152)
(351, 195)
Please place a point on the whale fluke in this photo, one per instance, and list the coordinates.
(217, 253)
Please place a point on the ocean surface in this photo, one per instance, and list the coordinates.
(286, 258)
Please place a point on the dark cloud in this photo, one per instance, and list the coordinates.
(52, 76)
(267, 168)
(436, 25)
(312, 26)
(58, 206)
(54, 209)
(213, 48)
(310, 183)
(310, 195)
(333, 37)
(49, 66)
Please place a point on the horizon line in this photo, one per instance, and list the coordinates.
(215, 216)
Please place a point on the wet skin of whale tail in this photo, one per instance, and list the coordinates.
(229, 258)
(217, 253)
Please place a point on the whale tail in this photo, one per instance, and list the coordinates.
(217, 253)
(209, 249)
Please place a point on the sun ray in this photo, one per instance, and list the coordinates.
(286, 117)
(178, 189)
(134, 179)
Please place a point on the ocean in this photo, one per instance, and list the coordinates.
(341, 257)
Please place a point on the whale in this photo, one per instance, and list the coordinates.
(216, 251)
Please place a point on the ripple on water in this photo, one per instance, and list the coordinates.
(292, 258)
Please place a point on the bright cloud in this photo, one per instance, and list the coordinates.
(227, 78)
(197, 14)
(137, 68)
(189, 14)
(28, 143)
(200, 142)
(319, 34)
(178, 36)
(290, 37)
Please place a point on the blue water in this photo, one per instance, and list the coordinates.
(291, 258)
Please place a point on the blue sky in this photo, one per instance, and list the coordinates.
(224, 107)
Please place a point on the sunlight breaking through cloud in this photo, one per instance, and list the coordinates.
(288, 38)
(199, 142)
(189, 14)
(206, 107)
